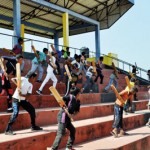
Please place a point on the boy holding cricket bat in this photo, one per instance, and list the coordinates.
(73, 105)
(20, 99)
(10, 67)
(118, 109)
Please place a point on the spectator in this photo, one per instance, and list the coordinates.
(18, 50)
(112, 80)
(148, 74)
(38, 63)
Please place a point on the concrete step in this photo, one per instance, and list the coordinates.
(86, 130)
(88, 98)
(49, 101)
(61, 87)
(138, 139)
(48, 116)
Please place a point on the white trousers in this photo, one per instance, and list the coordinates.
(50, 75)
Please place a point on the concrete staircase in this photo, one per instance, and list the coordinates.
(93, 123)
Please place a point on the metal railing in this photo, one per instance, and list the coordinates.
(41, 44)
(125, 66)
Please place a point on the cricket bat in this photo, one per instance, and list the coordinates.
(18, 74)
(8, 51)
(94, 66)
(34, 50)
(60, 101)
(53, 48)
(3, 68)
(68, 72)
(128, 82)
(114, 68)
(117, 94)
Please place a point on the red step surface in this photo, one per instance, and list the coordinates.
(48, 116)
(138, 139)
(89, 129)
(49, 101)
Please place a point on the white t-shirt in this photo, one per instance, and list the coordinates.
(49, 68)
(75, 62)
(89, 73)
(26, 87)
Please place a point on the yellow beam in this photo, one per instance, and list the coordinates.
(22, 35)
(65, 18)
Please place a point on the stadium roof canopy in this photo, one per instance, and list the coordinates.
(45, 21)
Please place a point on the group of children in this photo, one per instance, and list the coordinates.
(77, 67)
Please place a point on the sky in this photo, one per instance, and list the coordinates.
(129, 37)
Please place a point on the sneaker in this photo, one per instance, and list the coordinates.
(148, 124)
(125, 112)
(39, 81)
(9, 132)
(114, 132)
(10, 110)
(69, 148)
(36, 128)
(81, 91)
(91, 91)
(39, 92)
(122, 133)
(105, 91)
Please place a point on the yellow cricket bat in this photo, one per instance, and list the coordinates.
(18, 74)
(53, 48)
(68, 72)
(117, 94)
(35, 52)
(3, 68)
(94, 66)
(128, 82)
(60, 101)
(8, 51)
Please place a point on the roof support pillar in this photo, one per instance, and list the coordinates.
(65, 19)
(56, 41)
(97, 41)
(22, 35)
(16, 19)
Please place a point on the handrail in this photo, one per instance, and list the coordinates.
(129, 64)
(124, 62)
(75, 49)
(29, 39)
